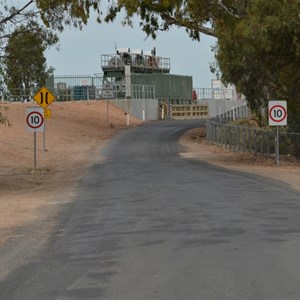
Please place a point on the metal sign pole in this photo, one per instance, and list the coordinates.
(107, 120)
(34, 150)
(277, 146)
(44, 136)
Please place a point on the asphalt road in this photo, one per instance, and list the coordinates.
(147, 224)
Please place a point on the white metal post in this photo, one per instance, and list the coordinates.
(107, 119)
(44, 136)
(34, 151)
(144, 118)
(277, 146)
(127, 122)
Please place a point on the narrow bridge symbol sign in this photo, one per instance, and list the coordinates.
(44, 97)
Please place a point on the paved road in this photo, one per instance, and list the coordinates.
(147, 224)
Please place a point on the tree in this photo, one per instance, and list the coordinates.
(55, 14)
(3, 118)
(260, 54)
(25, 63)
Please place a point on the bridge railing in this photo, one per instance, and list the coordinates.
(220, 131)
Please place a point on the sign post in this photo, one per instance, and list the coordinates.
(34, 123)
(47, 115)
(277, 117)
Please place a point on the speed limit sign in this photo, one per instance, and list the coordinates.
(35, 119)
(277, 113)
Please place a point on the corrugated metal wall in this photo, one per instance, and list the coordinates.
(168, 86)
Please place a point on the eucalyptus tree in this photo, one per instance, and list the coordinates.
(260, 54)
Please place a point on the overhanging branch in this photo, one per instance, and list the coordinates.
(16, 13)
(169, 21)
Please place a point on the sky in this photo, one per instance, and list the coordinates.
(80, 50)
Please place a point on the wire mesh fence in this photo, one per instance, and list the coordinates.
(82, 87)
(251, 139)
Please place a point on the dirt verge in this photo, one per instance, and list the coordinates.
(74, 136)
(197, 147)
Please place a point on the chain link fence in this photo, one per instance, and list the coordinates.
(250, 139)
(82, 87)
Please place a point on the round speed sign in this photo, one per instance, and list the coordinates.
(277, 113)
(35, 119)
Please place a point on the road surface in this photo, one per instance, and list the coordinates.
(147, 224)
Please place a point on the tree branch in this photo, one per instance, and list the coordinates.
(228, 10)
(189, 25)
(16, 13)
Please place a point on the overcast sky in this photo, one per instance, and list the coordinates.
(80, 51)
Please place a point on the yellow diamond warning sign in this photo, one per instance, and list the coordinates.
(44, 97)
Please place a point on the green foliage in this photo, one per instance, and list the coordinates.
(25, 63)
(55, 14)
(194, 15)
(260, 54)
(3, 117)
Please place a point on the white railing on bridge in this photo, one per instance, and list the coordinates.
(217, 94)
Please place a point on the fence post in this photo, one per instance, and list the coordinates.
(244, 148)
(238, 139)
(254, 146)
(268, 143)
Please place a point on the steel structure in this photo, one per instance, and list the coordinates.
(114, 65)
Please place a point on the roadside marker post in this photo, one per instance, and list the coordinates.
(277, 117)
(35, 123)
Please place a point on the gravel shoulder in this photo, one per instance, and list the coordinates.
(197, 147)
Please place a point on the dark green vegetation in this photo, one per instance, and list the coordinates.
(25, 63)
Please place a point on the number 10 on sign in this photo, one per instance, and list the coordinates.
(34, 123)
(277, 117)
(277, 113)
(35, 119)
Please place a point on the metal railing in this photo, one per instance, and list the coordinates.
(217, 94)
(66, 81)
(64, 92)
(250, 139)
(236, 113)
(137, 61)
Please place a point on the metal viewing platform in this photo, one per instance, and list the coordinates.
(139, 62)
